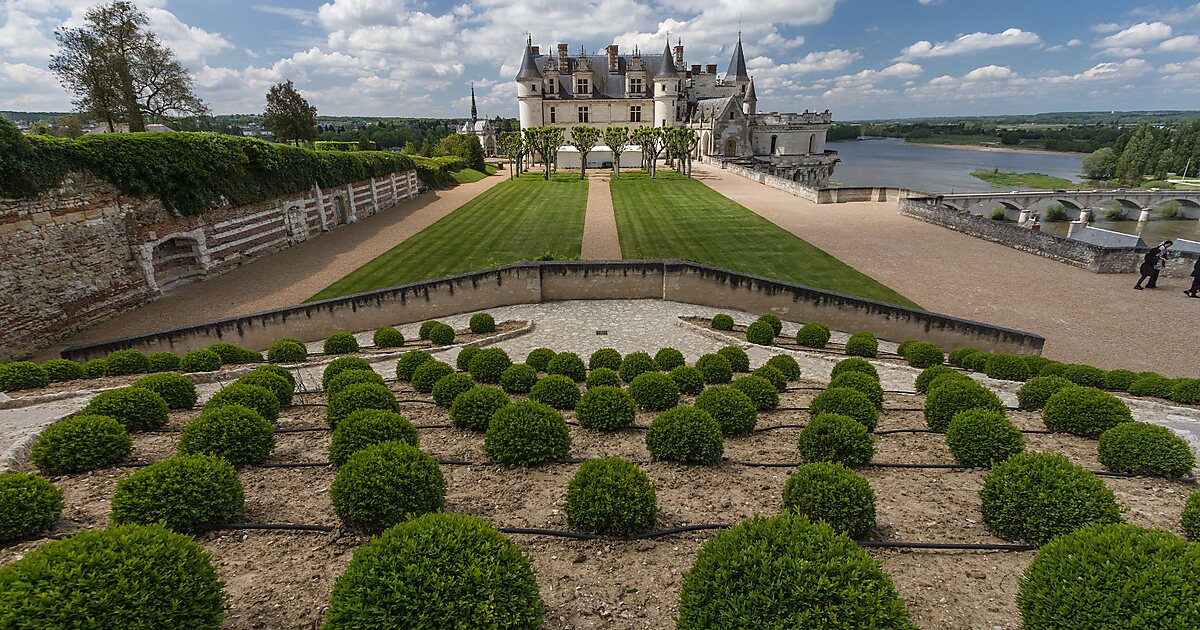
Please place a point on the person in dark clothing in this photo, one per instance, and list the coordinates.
(1149, 269)
(1195, 281)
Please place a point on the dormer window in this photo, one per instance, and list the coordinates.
(582, 86)
(635, 86)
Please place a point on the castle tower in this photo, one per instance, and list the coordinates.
(736, 74)
(529, 89)
(666, 90)
(750, 101)
(474, 110)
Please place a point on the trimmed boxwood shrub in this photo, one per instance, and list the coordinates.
(1119, 380)
(441, 334)
(186, 493)
(540, 358)
(287, 351)
(130, 576)
(92, 369)
(279, 371)
(385, 484)
(568, 364)
(357, 397)
(685, 434)
(739, 361)
(59, 370)
(1084, 375)
(733, 410)
(556, 390)
(1006, 367)
(387, 337)
(29, 504)
(1033, 497)
(1085, 411)
(954, 396)
(854, 364)
(1151, 384)
(346, 378)
(474, 408)
(830, 437)
(482, 323)
(163, 361)
(635, 364)
(80, 443)
(449, 387)
(654, 391)
(787, 572)
(1111, 576)
(1035, 363)
(605, 358)
(978, 362)
(813, 335)
(22, 375)
(831, 492)
(369, 427)
(1037, 390)
(429, 373)
(456, 571)
(773, 376)
(846, 402)
(668, 359)
(488, 365)
(340, 343)
(606, 408)
(773, 321)
(527, 432)
(519, 379)
(760, 333)
(408, 363)
(603, 377)
(128, 361)
(177, 390)
(1190, 520)
(283, 388)
(235, 433)
(255, 397)
(862, 345)
(983, 437)
(233, 355)
(903, 346)
(929, 374)
(426, 327)
(1052, 368)
(958, 358)
(920, 354)
(611, 496)
(689, 380)
(1186, 391)
(1145, 449)
(136, 408)
(715, 368)
(786, 365)
(200, 361)
(721, 321)
(759, 390)
(463, 360)
(861, 382)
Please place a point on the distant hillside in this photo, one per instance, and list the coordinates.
(1056, 118)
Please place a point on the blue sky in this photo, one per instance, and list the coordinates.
(859, 58)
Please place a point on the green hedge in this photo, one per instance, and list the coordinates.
(80, 443)
(1145, 449)
(28, 505)
(185, 493)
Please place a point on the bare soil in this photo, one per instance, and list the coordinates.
(284, 579)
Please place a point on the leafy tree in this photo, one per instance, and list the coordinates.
(410, 148)
(289, 115)
(681, 143)
(653, 141)
(512, 146)
(585, 139)
(1101, 165)
(464, 146)
(427, 148)
(617, 138)
(70, 126)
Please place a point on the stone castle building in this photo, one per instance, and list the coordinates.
(635, 90)
(482, 129)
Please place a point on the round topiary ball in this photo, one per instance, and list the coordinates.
(654, 391)
(958, 358)
(463, 360)
(568, 364)
(1190, 520)
(787, 572)
(760, 333)
(134, 407)
(519, 379)
(773, 321)
(977, 362)
(603, 377)
(482, 323)
(854, 365)
(607, 358)
(177, 390)
(385, 484)
(1186, 391)
(457, 571)
(759, 390)
(425, 328)
(786, 366)
(488, 365)
(1084, 375)
(668, 359)
(1085, 411)
(441, 334)
(923, 355)
(685, 434)
(450, 387)
(739, 361)
(358, 397)
(1006, 367)
(689, 380)
(773, 376)
(408, 363)
(257, 398)
(59, 370)
(953, 396)
(237, 434)
(29, 504)
(346, 378)
(80, 443)
(606, 408)
(1151, 384)
(185, 493)
(129, 576)
(846, 402)
(540, 358)
(1111, 576)
(369, 427)
(277, 370)
(929, 374)
(813, 335)
(983, 437)
(163, 361)
(635, 364)
(556, 390)
(129, 361)
(527, 433)
(861, 382)
(1119, 380)
(232, 355)
(830, 437)
(1033, 497)
(428, 373)
(830, 492)
(282, 388)
(722, 321)
(474, 408)
(1052, 368)
(903, 346)
(611, 496)
(1145, 449)
(733, 410)
(715, 368)
(200, 361)
(1037, 390)
(862, 345)
(387, 337)
(340, 343)
(287, 351)
(92, 369)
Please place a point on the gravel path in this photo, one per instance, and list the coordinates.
(1085, 317)
(600, 241)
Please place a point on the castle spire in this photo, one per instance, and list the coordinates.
(667, 70)
(529, 69)
(737, 65)
(474, 111)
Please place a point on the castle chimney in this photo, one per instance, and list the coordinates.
(614, 58)
(695, 69)
(564, 64)
(710, 68)
(679, 56)
(536, 49)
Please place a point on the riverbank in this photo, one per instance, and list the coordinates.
(991, 149)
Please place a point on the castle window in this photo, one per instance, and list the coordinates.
(635, 86)
(635, 113)
(774, 143)
(582, 86)
(730, 115)
(583, 114)
(552, 117)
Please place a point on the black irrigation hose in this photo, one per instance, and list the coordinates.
(893, 431)
(306, 405)
(275, 526)
(779, 426)
(433, 426)
(890, 544)
(292, 465)
(304, 430)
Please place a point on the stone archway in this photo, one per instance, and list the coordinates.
(177, 260)
(731, 147)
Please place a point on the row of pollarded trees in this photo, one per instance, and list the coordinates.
(676, 143)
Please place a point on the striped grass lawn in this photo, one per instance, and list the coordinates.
(672, 216)
(514, 220)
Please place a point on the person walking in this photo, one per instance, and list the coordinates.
(1195, 281)
(1148, 269)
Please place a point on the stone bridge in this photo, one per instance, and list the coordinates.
(1079, 203)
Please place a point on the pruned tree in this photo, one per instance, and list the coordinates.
(682, 143)
(585, 139)
(617, 138)
(289, 115)
(511, 146)
(652, 141)
(554, 141)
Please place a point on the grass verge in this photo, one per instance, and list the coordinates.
(1026, 180)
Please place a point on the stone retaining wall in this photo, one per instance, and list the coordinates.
(816, 195)
(536, 282)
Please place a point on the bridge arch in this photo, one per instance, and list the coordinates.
(1183, 207)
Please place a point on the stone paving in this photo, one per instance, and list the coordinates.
(600, 240)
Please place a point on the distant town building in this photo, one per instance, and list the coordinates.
(480, 128)
(124, 128)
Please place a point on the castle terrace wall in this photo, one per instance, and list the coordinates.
(84, 252)
(539, 282)
(813, 194)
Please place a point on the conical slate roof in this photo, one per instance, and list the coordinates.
(737, 65)
(667, 70)
(529, 69)
(750, 92)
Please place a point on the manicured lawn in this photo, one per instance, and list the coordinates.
(676, 217)
(468, 175)
(513, 221)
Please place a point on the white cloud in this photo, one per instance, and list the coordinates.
(1183, 43)
(1075, 42)
(1139, 34)
(191, 44)
(971, 43)
(1110, 27)
(26, 87)
(989, 73)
